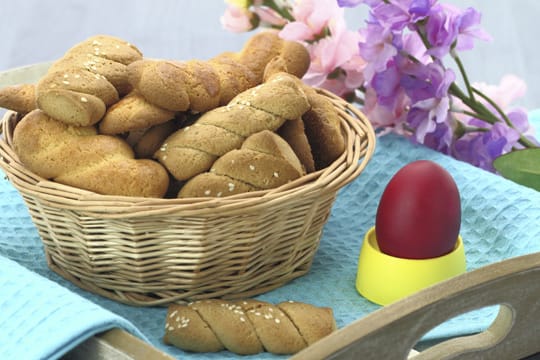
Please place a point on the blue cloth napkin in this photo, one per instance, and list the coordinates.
(500, 220)
(42, 320)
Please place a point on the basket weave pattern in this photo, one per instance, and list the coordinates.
(157, 251)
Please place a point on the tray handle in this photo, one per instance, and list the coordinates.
(392, 331)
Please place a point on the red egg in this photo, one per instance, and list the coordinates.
(419, 214)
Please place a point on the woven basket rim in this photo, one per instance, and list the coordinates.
(360, 145)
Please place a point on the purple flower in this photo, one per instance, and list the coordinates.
(420, 8)
(520, 120)
(394, 16)
(448, 26)
(482, 147)
(441, 31)
(387, 84)
(400, 14)
(441, 137)
(377, 49)
(425, 115)
(353, 3)
(423, 82)
(469, 28)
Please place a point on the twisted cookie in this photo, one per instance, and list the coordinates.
(91, 76)
(192, 150)
(246, 327)
(79, 157)
(203, 85)
(264, 161)
(18, 98)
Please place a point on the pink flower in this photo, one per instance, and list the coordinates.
(389, 118)
(332, 52)
(311, 19)
(509, 89)
(237, 19)
(269, 16)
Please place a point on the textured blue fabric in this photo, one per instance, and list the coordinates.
(500, 220)
(42, 320)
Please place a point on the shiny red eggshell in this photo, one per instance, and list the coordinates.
(419, 214)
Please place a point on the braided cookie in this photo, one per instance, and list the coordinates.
(264, 161)
(78, 156)
(246, 327)
(192, 150)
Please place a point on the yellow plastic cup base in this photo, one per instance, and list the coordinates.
(383, 279)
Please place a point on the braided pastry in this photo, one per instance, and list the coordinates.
(192, 150)
(19, 98)
(203, 85)
(323, 129)
(264, 161)
(90, 76)
(246, 327)
(78, 156)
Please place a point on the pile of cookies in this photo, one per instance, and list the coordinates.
(108, 120)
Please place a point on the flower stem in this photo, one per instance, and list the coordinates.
(283, 11)
(463, 73)
(480, 111)
(495, 106)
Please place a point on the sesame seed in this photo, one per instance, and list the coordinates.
(173, 313)
(267, 316)
(231, 186)
(166, 325)
(276, 174)
(164, 157)
(219, 194)
(270, 309)
(66, 75)
(170, 328)
(77, 76)
(207, 192)
(84, 99)
(184, 322)
(65, 82)
(251, 167)
(277, 321)
(242, 319)
(186, 128)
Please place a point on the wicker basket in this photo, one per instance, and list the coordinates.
(157, 251)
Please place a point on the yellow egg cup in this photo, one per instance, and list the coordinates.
(383, 278)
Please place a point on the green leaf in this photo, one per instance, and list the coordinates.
(521, 166)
